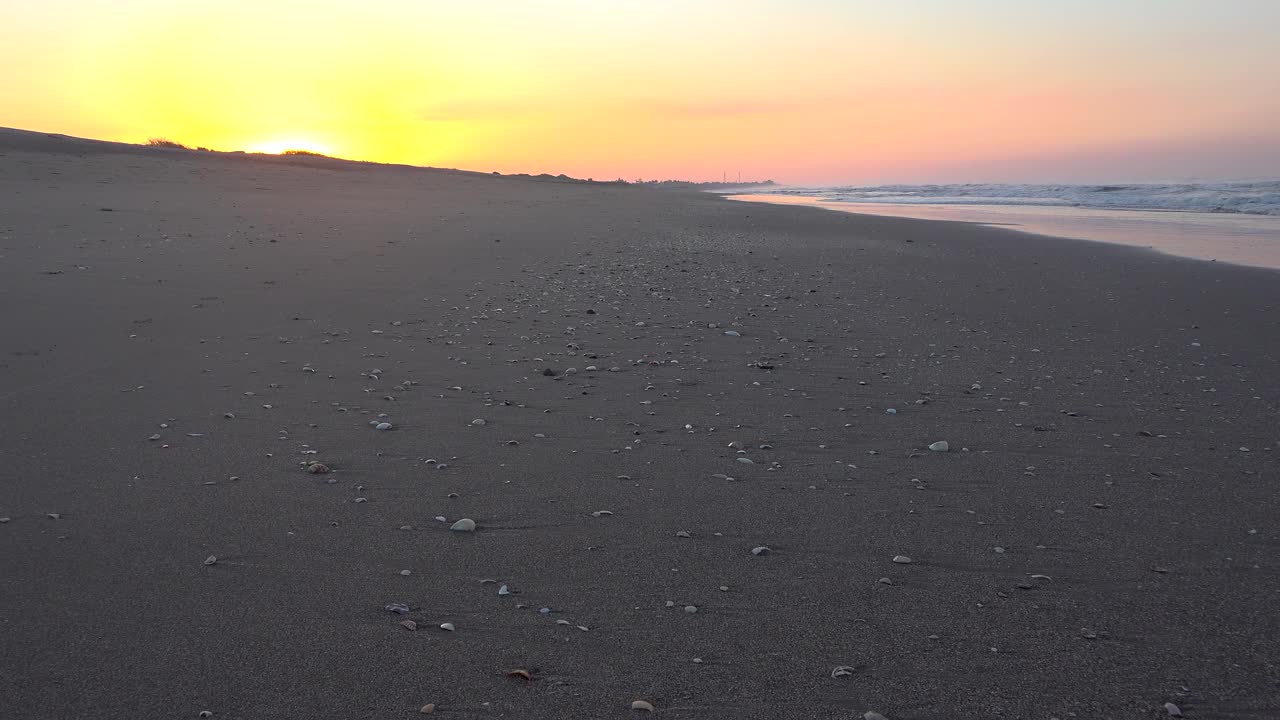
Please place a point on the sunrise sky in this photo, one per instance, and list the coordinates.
(802, 91)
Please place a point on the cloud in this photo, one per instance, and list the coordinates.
(725, 107)
(462, 110)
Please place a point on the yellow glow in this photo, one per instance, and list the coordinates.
(275, 147)
(799, 91)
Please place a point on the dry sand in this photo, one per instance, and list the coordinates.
(1098, 402)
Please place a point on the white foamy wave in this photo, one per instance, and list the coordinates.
(1257, 198)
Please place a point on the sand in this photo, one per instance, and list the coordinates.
(1111, 416)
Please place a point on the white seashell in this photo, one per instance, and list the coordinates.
(940, 446)
(902, 559)
(641, 705)
(447, 626)
(464, 525)
(383, 426)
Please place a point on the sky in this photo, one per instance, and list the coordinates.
(799, 91)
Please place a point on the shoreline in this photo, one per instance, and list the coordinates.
(1099, 539)
(1254, 242)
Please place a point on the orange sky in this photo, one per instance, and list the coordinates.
(805, 91)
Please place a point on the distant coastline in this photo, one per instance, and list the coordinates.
(60, 143)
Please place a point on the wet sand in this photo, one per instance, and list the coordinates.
(1099, 540)
(1236, 238)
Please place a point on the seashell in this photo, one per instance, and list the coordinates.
(762, 550)
(642, 705)
(210, 560)
(841, 671)
(940, 446)
(902, 559)
(409, 625)
(464, 525)
(447, 626)
(317, 468)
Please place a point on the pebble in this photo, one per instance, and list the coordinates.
(428, 709)
(873, 715)
(479, 422)
(464, 525)
(940, 446)
(691, 609)
(683, 534)
(206, 713)
(641, 705)
(733, 333)
(902, 559)
(398, 608)
(1173, 710)
(317, 468)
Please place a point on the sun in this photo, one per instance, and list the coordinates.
(280, 145)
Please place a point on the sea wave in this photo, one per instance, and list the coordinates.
(1255, 197)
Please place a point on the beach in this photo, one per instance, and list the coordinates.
(669, 416)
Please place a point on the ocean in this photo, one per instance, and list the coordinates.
(1235, 222)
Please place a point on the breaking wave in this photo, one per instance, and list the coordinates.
(1255, 198)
